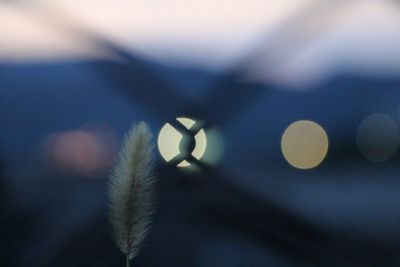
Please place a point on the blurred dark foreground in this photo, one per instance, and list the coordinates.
(253, 209)
(62, 123)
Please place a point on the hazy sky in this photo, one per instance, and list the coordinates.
(360, 33)
(162, 28)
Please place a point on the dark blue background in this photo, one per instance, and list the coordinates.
(252, 209)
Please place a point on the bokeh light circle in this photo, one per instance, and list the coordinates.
(304, 144)
(169, 140)
(378, 137)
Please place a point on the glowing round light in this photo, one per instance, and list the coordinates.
(201, 144)
(304, 144)
(378, 137)
(168, 142)
(170, 138)
(85, 152)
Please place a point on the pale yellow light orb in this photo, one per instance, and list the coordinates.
(304, 144)
(169, 140)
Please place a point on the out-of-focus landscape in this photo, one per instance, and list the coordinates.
(297, 103)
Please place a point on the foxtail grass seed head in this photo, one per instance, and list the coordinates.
(131, 190)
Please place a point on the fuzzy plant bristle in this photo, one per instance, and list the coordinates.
(131, 191)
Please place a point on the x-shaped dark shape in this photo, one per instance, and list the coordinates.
(219, 105)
